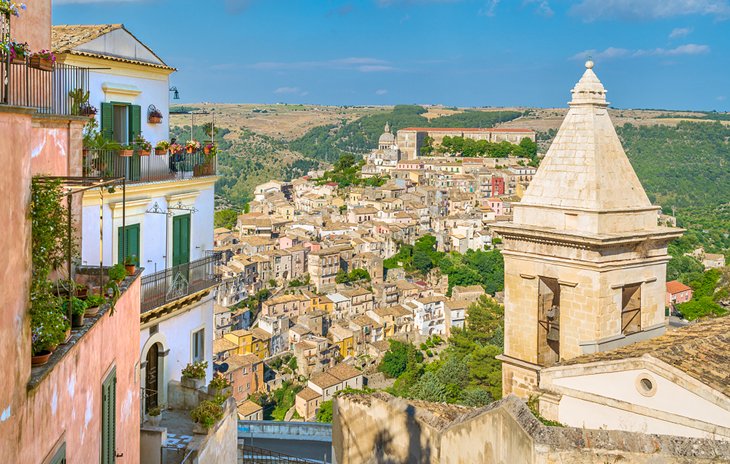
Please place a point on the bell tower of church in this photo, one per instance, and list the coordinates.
(585, 261)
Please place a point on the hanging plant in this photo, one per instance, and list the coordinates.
(9, 8)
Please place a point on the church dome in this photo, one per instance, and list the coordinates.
(387, 138)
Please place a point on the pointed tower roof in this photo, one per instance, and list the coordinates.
(586, 173)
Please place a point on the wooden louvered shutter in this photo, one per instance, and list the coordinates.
(107, 120)
(135, 122)
(109, 419)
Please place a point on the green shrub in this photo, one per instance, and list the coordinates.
(195, 370)
(207, 413)
(117, 272)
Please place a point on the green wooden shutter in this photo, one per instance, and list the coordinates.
(60, 456)
(107, 120)
(131, 236)
(109, 419)
(180, 240)
(135, 122)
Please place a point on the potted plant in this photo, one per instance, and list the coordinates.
(93, 304)
(219, 385)
(162, 147)
(88, 110)
(126, 151)
(143, 145)
(210, 149)
(176, 148)
(43, 60)
(193, 375)
(155, 116)
(206, 415)
(48, 326)
(130, 264)
(192, 146)
(78, 309)
(155, 415)
(117, 273)
(18, 51)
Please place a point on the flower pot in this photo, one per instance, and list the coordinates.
(190, 150)
(77, 320)
(154, 119)
(155, 420)
(82, 292)
(40, 358)
(126, 153)
(131, 269)
(144, 153)
(19, 60)
(93, 311)
(44, 64)
(68, 336)
(206, 150)
(160, 152)
(53, 348)
(192, 383)
(199, 429)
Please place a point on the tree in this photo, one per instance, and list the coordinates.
(225, 218)
(700, 307)
(324, 413)
(485, 370)
(429, 388)
(484, 318)
(398, 358)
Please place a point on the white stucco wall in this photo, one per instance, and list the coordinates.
(622, 386)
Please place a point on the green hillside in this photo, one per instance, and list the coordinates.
(686, 167)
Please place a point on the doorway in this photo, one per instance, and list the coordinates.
(152, 377)
(548, 319)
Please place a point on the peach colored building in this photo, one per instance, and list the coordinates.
(81, 406)
(678, 293)
(246, 374)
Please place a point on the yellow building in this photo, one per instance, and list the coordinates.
(260, 343)
(243, 339)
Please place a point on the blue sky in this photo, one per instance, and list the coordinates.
(672, 54)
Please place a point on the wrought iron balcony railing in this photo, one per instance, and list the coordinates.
(177, 282)
(150, 168)
(46, 90)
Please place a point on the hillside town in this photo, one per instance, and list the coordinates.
(455, 289)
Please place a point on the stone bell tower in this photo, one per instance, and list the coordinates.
(585, 261)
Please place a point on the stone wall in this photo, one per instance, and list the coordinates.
(220, 446)
(379, 428)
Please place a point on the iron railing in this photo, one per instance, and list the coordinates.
(178, 282)
(253, 455)
(149, 168)
(47, 91)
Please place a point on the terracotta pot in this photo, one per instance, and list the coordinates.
(131, 269)
(160, 152)
(206, 150)
(144, 153)
(44, 64)
(154, 119)
(126, 153)
(53, 348)
(19, 60)
(40, 358)
(190, 150)
(82, 293)
(77, 321)
(68, 336)
(91, 312)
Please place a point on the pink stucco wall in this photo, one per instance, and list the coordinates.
(33, 25)
(57, 145)
(66, 406)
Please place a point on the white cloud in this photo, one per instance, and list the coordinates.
(614, 52)
(721, 98)
(679, 32)
(381, 92)
(489, 8)
(287, 90)
(542, 7)
(361, 64)
(591, 10)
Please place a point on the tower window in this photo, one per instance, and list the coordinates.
(631, 309)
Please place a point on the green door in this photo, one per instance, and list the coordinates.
(180, 240)
(109, 418)
(131, 237)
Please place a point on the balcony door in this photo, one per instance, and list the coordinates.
(180, 240)
(122, 123)
(131, 239)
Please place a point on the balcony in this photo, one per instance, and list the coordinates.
(178, 282)
(47, 91)
(150, 168)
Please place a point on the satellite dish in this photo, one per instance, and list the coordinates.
(222, 367)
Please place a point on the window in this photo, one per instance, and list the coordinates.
(631, 309)
(199, 345)
(240, 389)
(128, 243)
(59, 457)
(109, 418)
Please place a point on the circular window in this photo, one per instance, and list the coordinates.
(646, 385)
